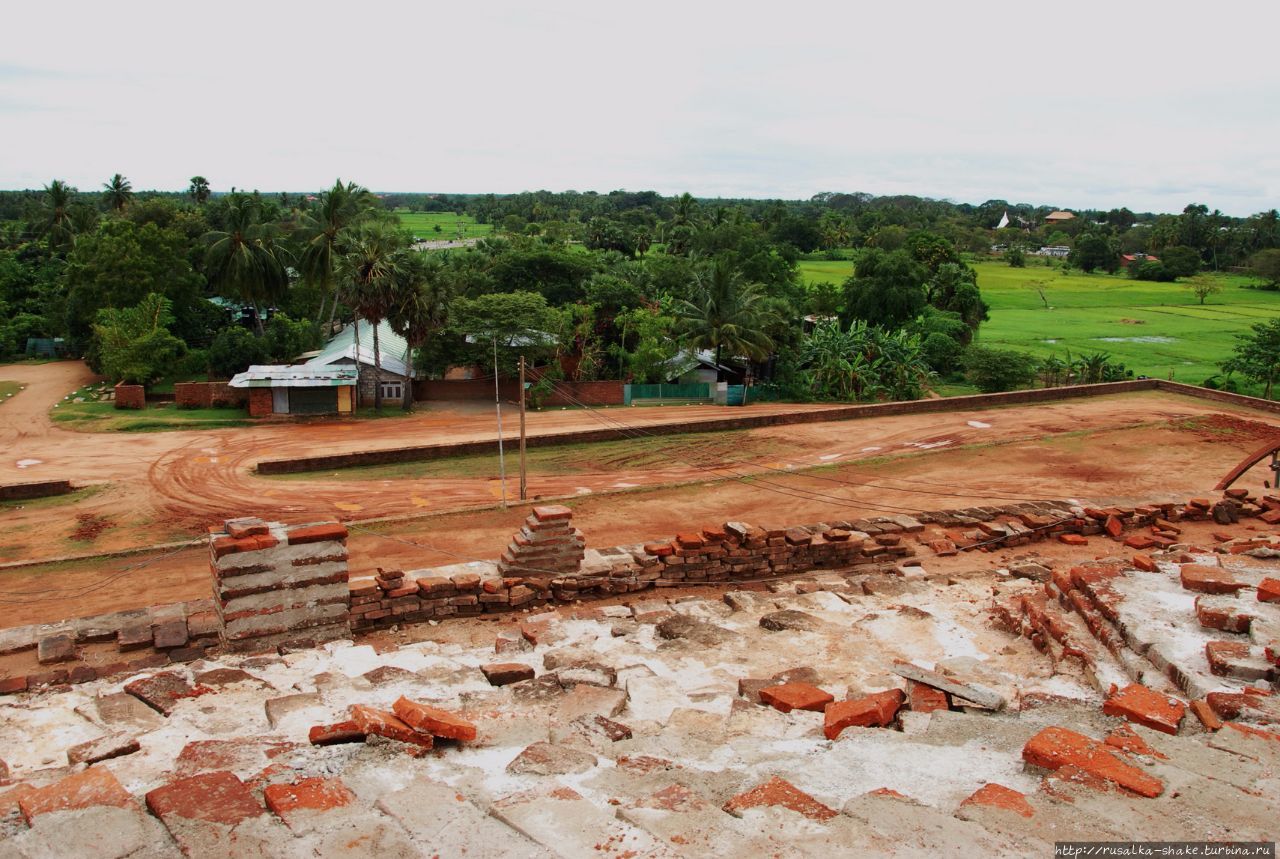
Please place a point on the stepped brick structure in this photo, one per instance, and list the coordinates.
(547, 543)
(274, 584)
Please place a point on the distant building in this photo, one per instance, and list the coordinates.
(1058, 217)
(1126, 259)
(1052, 251)
(292, 389)
(353, 345)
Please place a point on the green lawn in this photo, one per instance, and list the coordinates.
(1155, 329)
(423, 225)
(8, 389)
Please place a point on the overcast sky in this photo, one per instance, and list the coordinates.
(1073, 103)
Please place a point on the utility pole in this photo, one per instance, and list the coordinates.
(523, 482)
(497, 404)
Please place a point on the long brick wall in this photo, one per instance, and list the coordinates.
(35, 489)
(601, 393)
(203, 395)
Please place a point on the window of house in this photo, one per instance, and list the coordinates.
(393, 390)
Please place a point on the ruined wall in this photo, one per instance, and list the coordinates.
(276, 583)
(35, 489)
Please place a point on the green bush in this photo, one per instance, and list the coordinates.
(996, 370)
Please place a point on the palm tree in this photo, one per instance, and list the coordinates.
(725, 313)
(56, 220)
(421, 307)
(371, 271)
(322, 230)
(199, 189)
(118, 192)
(245, 259)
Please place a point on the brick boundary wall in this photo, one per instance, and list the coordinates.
(261, 402)
(204, 395)
(130, 396)
(600, 393)
(39, 489)
(741, 421)
(274, 583)
(1219, 396)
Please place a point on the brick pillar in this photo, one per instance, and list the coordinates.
(274, 584)
(130, 396)
(546, 543)
(260, 402)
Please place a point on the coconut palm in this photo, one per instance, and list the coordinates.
(246, 259)
(420, 308)
(321, 232)
(371, 273)
(118, 192)
(56, 219)
(725, 314)
(199, 189)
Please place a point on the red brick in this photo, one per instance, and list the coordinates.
(374, 721)
(659, 550)
(1127, 740)
(85, 789)
(1253, 732)
(217, 797)
(999, 796)
(289, 801)
(1137, 703)
(163, 691)
(505, 673)
(1222, 655)
(1073, 539)
(1145, 563)
(1271, 517)
(689, 541)
(1209, 580)
(432, 720)
(1114, 527)
(1205, 714)
(1228, 618)
(778, 793)
(341, 732)
(1140, 541)
(247, 527)
(795, 696)
(1269, 590)
(11, 685)
(924, 698)
(1056, 747)
(317, 533)
(552, 513)
(875, 710)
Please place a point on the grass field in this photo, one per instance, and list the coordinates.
(452, 226)
(8, 389)
(1155, 329)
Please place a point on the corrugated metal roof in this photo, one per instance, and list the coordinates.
(294, 376)
(392, 348)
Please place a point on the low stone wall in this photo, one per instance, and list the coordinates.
(204, 395)
(274, 583)
(37, 489)
(130, 396)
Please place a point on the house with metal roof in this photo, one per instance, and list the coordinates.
(352, 347)
(292, 389)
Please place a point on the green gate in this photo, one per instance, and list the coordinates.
(313, 401)
(653, 395)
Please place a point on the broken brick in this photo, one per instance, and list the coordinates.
(317, 533)
(1140, 541)
(1269, 590)
(1209, 580)
(291, 801)
(999, 796)
(163, 691)
(1056, 747)
(1114, 527)
(432, 720)
(103, 748)
(85, 789)
(1145, 563)
(1205, 714)
(1224, 613)
(795, 696)
(779, 793)
(1137, 703)
(505, 673)
(870, 711)
(924, 698)
(217, 797)
(371, 720)
(1127, 740)
(341, 732)
(1073, 539)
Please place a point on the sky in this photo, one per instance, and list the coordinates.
(1074, 104)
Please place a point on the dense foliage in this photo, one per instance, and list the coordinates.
(628, 285)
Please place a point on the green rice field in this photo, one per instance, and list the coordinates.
(452, 226)
(1154, 329)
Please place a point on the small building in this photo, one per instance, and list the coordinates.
(1059, 217)
(1058, 251)
(691, 367)
(284, 389)
(1127, 259)
(352, 347)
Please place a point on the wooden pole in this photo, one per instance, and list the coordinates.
(523, 475)
(497, 405)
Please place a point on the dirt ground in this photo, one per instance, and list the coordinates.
(170, 486)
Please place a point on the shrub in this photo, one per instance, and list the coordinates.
(996, 370)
